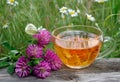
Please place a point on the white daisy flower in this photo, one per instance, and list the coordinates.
(12, 2)
(41, 28)
(80, 1)
(6, 25)
(90, 17)
(101, 1)
(72, 13)
(63, 10)
(78, 11)
(31, 29)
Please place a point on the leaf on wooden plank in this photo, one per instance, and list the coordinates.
(11, 69)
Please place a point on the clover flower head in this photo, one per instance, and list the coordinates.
(12, 2)
(22, 69)
(31, 29)
(42, 70)
(101, 1)
(90, 17)
(53, 59)
(34, 51)
(43, 37)
(72, 13)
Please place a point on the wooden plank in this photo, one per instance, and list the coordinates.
(103, 70)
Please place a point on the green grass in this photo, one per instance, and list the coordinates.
(46, 13)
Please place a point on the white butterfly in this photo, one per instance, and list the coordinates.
(31, 29)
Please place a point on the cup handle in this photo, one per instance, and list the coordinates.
(107, 48)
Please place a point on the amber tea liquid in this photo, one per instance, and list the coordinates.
(77, 49)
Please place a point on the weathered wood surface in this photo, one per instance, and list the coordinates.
(103, 70)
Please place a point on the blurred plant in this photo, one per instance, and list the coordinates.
(6, 25)
(12, 2)
(101, 1)
(90, 17)
(69, 16)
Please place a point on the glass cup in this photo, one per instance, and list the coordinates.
(78, 46)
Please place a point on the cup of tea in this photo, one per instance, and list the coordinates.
(78, 46)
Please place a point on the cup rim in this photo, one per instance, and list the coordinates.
(53, 35)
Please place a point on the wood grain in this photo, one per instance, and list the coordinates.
(103, 70)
